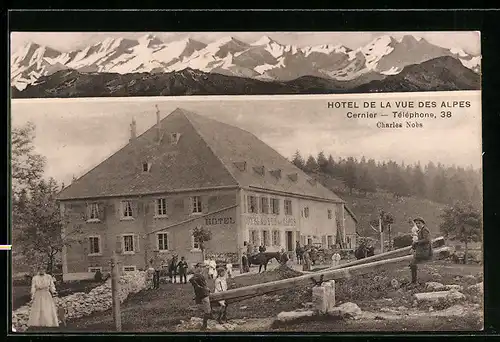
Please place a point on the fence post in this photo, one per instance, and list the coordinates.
(115, 292)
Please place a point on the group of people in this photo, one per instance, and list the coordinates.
(175, 267)
(202, 293)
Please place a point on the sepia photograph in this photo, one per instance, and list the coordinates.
(219, 182)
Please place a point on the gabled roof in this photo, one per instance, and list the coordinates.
(209, 154)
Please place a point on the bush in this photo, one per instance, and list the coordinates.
(98, 276)
(403, 241)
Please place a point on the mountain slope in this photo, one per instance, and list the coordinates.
(443, 73)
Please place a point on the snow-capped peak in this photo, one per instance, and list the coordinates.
(458, 52)
(149, 39)
(264, 40)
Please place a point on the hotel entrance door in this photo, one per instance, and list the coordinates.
(289, 241)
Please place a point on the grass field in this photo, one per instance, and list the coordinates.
(163, 309)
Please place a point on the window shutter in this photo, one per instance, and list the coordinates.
(155, 246)
(188, 204)
(147, 208)
(119, 244)
(102, 211)
(86, 247)
(277, 206)
(119, 209)
(244, 204)
(204, 204)
(136, 243)
(140, 208)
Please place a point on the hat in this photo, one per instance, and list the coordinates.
(419, 219)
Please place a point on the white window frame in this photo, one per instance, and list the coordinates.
(174, 138)
(199, 205)
(123, 210)
(90, 207)
(193, 248)
(95, 269)
(288, 212)
(148, 166)
(306, 212)
(263, 239)
(157, 207)
(130, 266)
(249, 204)
(98, 237)
(276, 237)
(158, 242)
(252, 241)
(264, 207)
(275, 206)
(133, 244)
(330, 214)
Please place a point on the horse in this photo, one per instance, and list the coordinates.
(262, 259)
(364, 251)
(172, 269)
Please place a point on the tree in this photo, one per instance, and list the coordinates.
(40, 225)
(297, 160)
(366, 183)
(322, 162)
(462, 222)
(418, 181)
(27, 166)
(201, 236)
(350, 176)
(311, 165)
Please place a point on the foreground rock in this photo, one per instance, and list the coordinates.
(451, 295)
(477, 288)
(346, 310)
(294, 315)
(196, 323)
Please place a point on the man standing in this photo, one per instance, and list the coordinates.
(182, 266)
(201, 292)
(422, 247)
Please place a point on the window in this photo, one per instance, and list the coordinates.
(323, 241)
(196, 244)
(276, 238)
(196, 203)
(161, 207)
(146, 167)
(329, 240)
(302, 240)
(329, 214)
(129, 268)
(264, 205)
(275, 206)
(128, 243)
(162, 241)
(254, 240)
(94, 245)
(349, 241)
(174, 138)
(95, 269)
(306, 212)
(265, 237)
(252, 204)
(93, 212)
(288, 207)
(309, 240)
(127, 209)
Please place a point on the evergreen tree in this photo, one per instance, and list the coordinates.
(366, 183)
(350, 177)
(322, 162)
(418, 181)
(297, 160)
(331, 168)
(311, 164)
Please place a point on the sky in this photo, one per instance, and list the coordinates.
(469, 41)
(77, 134)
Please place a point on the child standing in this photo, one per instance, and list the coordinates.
(182, 267)
(229, 268)
(414, 230)
(150, 275)
(220, 286)
(201, 292)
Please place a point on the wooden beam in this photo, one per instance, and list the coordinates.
(436, 243)
(246, 292)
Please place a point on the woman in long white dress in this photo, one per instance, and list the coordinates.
(43, 308)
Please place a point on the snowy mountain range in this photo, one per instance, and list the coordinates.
(264, 59)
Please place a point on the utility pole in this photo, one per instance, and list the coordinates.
(381, 233)
(115, 290)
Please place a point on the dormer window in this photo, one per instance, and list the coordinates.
(146, 167)
(174, 138)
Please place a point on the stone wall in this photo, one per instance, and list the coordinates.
(82, 304)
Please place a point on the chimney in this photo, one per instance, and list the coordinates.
(133, 130)
(158, 127)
